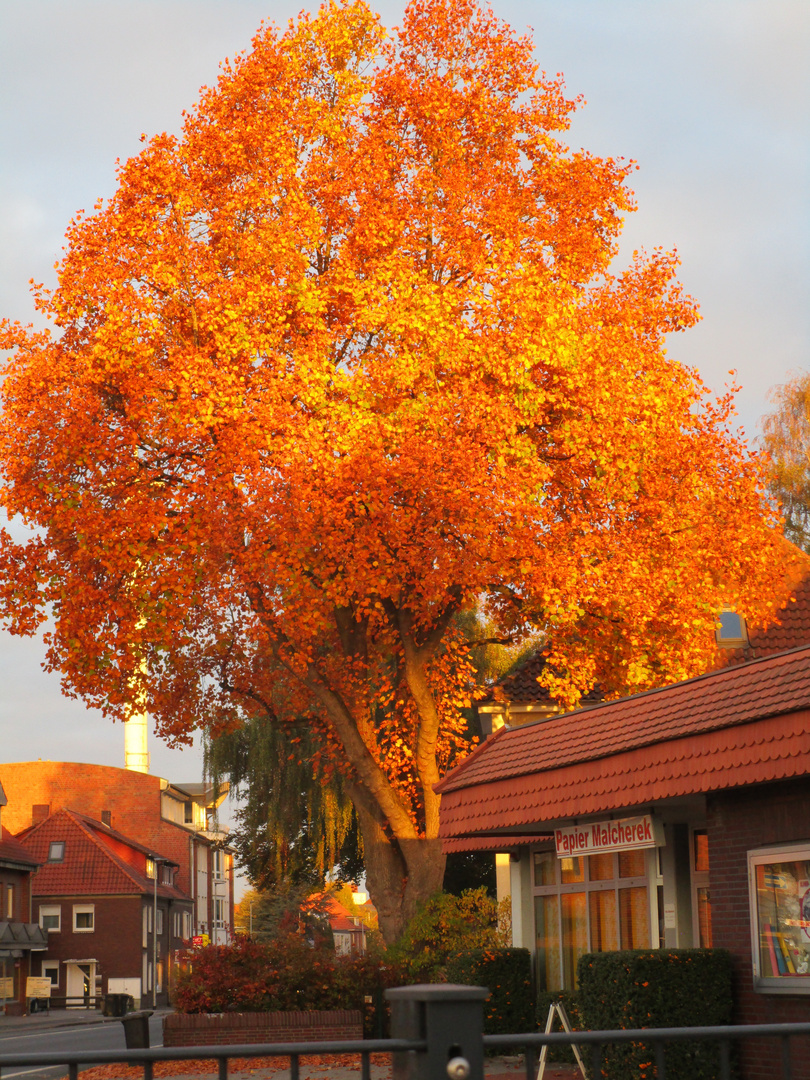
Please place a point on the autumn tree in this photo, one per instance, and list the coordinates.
(341, 360)
(786, 437)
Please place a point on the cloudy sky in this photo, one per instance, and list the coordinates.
(711, 98)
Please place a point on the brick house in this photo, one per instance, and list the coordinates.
(674, 818)
(20, 936)
(176, 820)
(113, 915)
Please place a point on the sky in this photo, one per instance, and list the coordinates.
(711, 98)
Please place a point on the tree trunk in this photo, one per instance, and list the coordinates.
(400, 875)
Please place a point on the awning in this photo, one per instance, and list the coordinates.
(17, 937)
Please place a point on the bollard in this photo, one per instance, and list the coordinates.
(450, 1019)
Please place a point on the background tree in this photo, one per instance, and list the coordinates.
(344, 359)
(787, 440)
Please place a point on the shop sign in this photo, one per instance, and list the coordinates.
(36, 987)
(598, 836)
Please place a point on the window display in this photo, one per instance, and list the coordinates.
(780, 883)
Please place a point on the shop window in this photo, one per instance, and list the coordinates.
(632, 864)
(780, 918)
(572, 870)
(547, 939)
(701, 894)
(545, 868)
(595, 903)
(50, 917)
(634, 918)
(604, 923)
(84, 918)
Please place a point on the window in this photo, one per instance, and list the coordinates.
(589, 903)
(50, 917)
(701, 895)
(188, 813)
(732, 632)
(56, 851)
(84, 918)
(779, 884)
(50, 970)
(159, 921)
(217, 863)
(219, 911)
(151, 868)
(186, 925)
(9, 902)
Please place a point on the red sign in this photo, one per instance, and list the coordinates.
(197, 941)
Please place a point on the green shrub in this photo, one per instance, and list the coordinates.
(445, 926)
(570, 1002)
(658, 988)
(508, 975)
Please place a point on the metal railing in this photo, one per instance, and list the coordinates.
(438, 1036)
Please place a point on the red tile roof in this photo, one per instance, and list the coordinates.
(743, 724)
(11, 850)
(89, 867)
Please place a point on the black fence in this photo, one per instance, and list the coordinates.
(438, 1036)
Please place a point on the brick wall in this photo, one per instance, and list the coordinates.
(737, 821)
(231, 1029)
(132, 798)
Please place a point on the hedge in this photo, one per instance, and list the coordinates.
(508, 975)
(657, 988)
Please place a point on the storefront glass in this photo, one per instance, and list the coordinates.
(594, 903)
(574, 934)
(547, 931)
(782, 917)
(604, 923)
(634, 918)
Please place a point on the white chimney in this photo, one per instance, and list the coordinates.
(136, 754)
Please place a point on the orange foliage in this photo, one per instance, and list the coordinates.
(338, 362)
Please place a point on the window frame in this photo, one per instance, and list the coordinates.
(53, 858)
(48, 966)
(51, 910)
(84, 909)
(615, 884)
(777, 853)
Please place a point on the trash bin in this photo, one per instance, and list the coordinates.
(118, 1004)
(136, 1029)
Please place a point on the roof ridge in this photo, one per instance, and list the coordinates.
(730, 671)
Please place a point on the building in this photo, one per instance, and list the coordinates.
(176, 820)
(20, 936)
(674, 818)
(113, 916)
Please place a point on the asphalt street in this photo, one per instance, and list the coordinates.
(47, 1038)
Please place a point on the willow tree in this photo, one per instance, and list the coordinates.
(786, 436)
(341, 359)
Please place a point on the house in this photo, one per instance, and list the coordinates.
(348, 930)
(678, 817)
(20, 937)
(112, 914)
(177, 820)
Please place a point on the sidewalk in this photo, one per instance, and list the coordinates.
(60, 1018)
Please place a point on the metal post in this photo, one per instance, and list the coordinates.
(154, 939)
(450, 1019)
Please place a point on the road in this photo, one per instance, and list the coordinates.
(106, 1036)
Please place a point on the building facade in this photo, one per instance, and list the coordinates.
(21, 940)
(114, 920)
(177, 820)
(675, 818)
